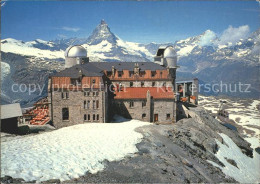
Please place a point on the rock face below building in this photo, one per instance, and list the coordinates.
(176, 153)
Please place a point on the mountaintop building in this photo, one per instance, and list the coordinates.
(96, 91)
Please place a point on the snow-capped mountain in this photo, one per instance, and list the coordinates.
(104, 45)
(32, 61)
(101, 33)
(230, 63)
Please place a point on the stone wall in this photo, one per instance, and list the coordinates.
(123, 108)
(160, 107)
(75, 104)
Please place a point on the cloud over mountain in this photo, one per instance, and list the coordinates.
(233, 34)
(207, 38)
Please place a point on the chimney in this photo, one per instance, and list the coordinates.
(136, 69)
(113, 71)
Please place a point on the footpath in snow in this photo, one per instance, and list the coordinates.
(69, 152)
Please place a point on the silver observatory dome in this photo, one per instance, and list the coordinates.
(166, 56)
(169, 52)
(75, 55)
(76, 51)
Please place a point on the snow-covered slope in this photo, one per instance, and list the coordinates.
(246, 169)
(5, 70)
(31, 48)
(69, 152)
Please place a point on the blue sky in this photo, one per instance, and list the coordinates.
(136, 21)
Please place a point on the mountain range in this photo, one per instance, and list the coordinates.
(31, 62)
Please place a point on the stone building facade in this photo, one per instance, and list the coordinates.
(96, 91)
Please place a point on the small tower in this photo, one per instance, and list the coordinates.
(75, 55)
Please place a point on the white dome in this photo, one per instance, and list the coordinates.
(169, 52)
(75, 51)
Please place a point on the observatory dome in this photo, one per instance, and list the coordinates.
(169, 52)
(75, 51)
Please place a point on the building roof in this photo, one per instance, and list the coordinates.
(92, 69)
(127, 65)
(11, 111)
(74, 71)
(141, 93)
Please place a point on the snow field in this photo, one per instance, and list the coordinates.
(69, 152)
(26, 48)
(248, 168)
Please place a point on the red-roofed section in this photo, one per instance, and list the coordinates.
(141, 93)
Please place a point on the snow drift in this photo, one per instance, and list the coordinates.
(69, 152)
(247, 170)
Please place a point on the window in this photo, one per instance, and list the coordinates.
(153, 84)
(164, 84)
(94, 81)
(131, 74)
(142, 73)
(120, 74)
(131, 104)
(160, 74)
(97, 104)
(143, 116)
(88, 117)
(131, 84)
(109, 74)
(94, 117)
(86, 93)
(85, 104)
(97, 93)
(143, 103)
(88, 104)
(97, 117)
(85, 117)
(94, 104)
(168, 116)
(75, 82)
(65, 95)
(94, 93)
(65, 113)
(142, 84)
(153, 74)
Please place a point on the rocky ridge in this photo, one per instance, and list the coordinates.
(178, 153)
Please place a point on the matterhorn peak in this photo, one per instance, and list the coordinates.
(103, 22)
(101, 33)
